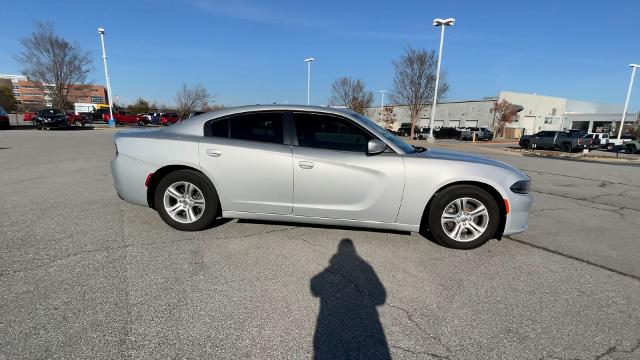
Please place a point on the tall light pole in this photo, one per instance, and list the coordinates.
(112, 122)
(382, 102)
(308, 61)
(442, 24)
(626, 102)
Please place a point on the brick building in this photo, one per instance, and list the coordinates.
(31, 95)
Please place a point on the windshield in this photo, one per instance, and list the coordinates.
(50, 112)
(382, 133)
(2, 112)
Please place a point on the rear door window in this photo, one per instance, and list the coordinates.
(258, 126)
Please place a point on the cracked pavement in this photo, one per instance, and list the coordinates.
(85, 275)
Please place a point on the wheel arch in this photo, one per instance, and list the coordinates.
(495, 194)
(166, 170)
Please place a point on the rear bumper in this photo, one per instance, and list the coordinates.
(129, 176)
(518, 217)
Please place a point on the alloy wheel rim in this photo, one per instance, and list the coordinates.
(184, 202)
(465, 219)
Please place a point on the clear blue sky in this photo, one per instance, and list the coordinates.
(251, 51)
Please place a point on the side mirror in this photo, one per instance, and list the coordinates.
(376, 146)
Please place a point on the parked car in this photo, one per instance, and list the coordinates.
(169, 118)
(446, 133)
(122, 117)
(482, 133)
(567, 141)
(613, 141)
(4, 119)
(405, 129)
(632, 147)
(27, 116)
(76, 119)
(96, 115)
(316, 165)
(50, 118)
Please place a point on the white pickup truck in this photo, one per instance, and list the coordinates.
(608, 142)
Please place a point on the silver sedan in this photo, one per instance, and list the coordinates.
(316, 165)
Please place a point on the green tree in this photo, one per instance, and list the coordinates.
(139, 106)
(7, 100)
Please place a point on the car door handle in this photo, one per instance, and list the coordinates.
(213, 152)
(306, 164)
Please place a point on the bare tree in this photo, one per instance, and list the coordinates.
(504, 113)
(351, 94)
(52, 62)
(191, 98)
(414, 82)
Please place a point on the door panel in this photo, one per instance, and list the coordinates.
(249, 176)
(251, 167)
(347, 185)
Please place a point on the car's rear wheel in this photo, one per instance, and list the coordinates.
(566, 148)
(630, 149)
(463, 217)
(526, 145)
(186, 201)
(142, 123)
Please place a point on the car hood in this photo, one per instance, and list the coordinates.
(440, 154)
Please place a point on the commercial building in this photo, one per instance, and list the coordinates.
(31, 94)
(538, 112)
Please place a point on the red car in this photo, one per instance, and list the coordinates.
(169, 118)
(4, 119)
(122, 117)
(28, 116)
(76, 120)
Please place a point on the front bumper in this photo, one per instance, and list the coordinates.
(518, 217)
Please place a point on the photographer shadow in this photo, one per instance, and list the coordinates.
(348, 324)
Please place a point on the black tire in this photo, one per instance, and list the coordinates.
(526, 145)
(141, 123)
(77, 123)
(630, 149)
(209, 193)
(567, 148)
(444, 198)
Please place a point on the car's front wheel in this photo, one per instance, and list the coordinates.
(463, 217)
(185, 200)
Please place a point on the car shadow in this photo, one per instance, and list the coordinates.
(321, 226)
(348, 324)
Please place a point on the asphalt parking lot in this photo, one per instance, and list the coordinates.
(85, 275)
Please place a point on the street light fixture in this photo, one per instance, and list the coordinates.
(626, 102)
(112, 122)
(308, 61)
(442, 23)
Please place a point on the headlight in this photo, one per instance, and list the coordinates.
(521, 187)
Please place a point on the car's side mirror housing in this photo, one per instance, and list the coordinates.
(376, 146)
